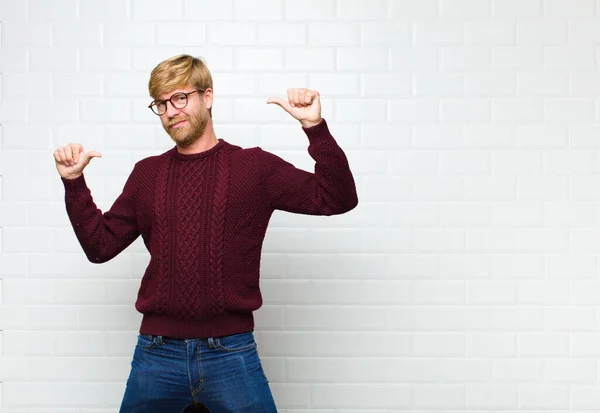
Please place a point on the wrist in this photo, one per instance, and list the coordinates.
(310, 123)
(72, 176)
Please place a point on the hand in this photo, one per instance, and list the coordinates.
(303, 104)
(71, 160)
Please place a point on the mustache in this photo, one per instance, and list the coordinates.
(176, 120)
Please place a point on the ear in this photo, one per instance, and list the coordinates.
(208, 98)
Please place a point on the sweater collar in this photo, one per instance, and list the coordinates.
(200, 155)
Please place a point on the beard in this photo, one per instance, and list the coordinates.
(191, 131)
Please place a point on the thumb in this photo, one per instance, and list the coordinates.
(284, 104)
(87, 156)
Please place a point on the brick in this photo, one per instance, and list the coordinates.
(517, 110)
(463, 215)
(570, 58)
(491, 293)
(513, 9)
(491, 345)
(309, 9)
(27, 34)
(440, 292)
(500, 33)
(382, 84)
(541, 32)
(485, 396)
(102, 60)
(466, 9)
(59, 59)
(518, 370)
(438, 85)
(569, 9)
(258, 9)
(333, 34)
(490, 84)
(517, 162)
(129, 34)
(543, 345)
(315, 59)
(439, 396)
(517, 58)
(384, 33)
(465, 110)
(466, 58)
(544, 396)
(109, 10)
(438, 33)
(569, 110)
(152, 10)
(412, 58)
(181, 34)
(542, 84)
(415, 110)
(523, 215)
(278, 34)
(77, 34)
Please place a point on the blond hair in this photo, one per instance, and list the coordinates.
(178, 71)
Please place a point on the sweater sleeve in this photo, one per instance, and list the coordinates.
(102, 236)
(330, 190)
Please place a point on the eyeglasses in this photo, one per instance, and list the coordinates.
(179, 100)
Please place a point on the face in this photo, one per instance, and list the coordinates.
(186, 125)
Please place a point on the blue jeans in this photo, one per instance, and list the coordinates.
(172, 375)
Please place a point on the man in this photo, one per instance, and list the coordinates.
(202, 209)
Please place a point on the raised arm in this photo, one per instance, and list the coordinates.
(102, 236)
(330, 189)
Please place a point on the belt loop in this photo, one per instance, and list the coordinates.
(211, 342)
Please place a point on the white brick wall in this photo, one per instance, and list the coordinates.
(466, 280)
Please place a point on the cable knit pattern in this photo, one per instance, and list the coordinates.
(203, 218)
(191, 188)
(217, 224)
(163, 241)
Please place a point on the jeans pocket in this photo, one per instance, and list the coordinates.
(236, 342)
(145, 341)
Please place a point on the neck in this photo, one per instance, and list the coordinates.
(207, 140)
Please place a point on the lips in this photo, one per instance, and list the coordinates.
(177, 124)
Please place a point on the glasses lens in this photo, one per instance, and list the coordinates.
(179, 100)
(158, 108)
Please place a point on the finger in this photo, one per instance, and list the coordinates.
(297, 97)
(301, 97)
(68, 155)
(62, 156)
(310, 97)
(284, 104)
(77, 150)
(57, 157)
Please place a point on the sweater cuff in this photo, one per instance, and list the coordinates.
(74, 186)
(319, 132)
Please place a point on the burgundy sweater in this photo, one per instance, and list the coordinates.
(203, 218)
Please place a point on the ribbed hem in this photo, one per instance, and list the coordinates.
(74, 186)
(230, 323)
(318, 133)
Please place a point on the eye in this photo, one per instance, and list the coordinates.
(179, 98)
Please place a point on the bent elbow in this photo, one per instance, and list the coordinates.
(96, 257)
(345, 205)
